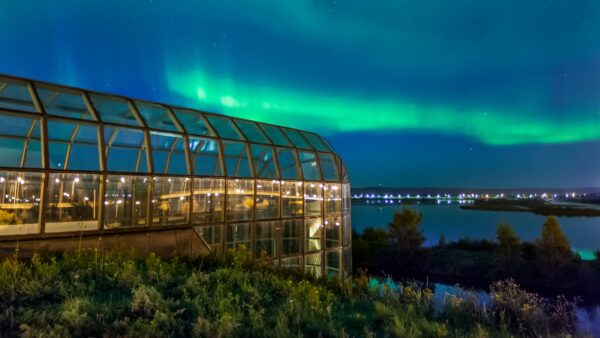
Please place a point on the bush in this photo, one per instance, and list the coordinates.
(92, 293)
(468, 244)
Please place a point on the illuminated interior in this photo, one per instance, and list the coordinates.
(76, 162)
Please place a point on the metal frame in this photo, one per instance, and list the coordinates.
(182, 136)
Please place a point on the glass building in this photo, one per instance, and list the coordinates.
(99, 170)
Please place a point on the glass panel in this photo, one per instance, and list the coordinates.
(312, 264)
(329, 166)
(313, 199)
(333, 199)
(212, 235)
(240, 200)
(292, 202)
(193, 122)
(63, 102)
(346, 198)
(224, 127)
(73, 201)
(333, 231)
(15, 95)
(291, 262)
(156, 116)
(72, 146)
(347, 229)
(267, 199)
(264, 163)
(315, 141)
(333, 263)
(238, 235)
(209, 200)
(266, 238)
(296, 138)
(171, 202)
(275, 134)
(291, 235)
(236, 159)
(288, 164)
(19, 203)
(205, 155)
(125, 201)
(114, 110)
(310, 168)
(20, 136)
(251, 131)
(168, 153)
(313, 232)
(126, 151)
(347, 261)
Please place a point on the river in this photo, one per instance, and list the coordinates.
(582, 232)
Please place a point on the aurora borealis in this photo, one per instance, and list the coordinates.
(462, 93)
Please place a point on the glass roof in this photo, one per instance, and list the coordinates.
(146, 137)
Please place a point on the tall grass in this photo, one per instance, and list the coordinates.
(116, 294)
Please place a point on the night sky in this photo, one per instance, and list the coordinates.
(410, 93)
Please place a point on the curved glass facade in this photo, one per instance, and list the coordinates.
(75, 162)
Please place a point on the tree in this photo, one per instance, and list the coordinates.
(508, 251)
(404, 230)
(442, 242)
(554, 248)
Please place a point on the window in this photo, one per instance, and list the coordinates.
(266, 239)
(312, 264)
(212, 235)
(347, 261)
(114, 110)
(73, 146)
(347, 229)
(240, 200)
(313, 233)
(333, 231)
(296, 138)
(239, 235)
(168, 153)
(310, 167)
(193, 122)
(156, 116)
(73, 201)
(333, 199)
(19, 202)
(171, 200)
(14, 94)
(20, 142)
(333, 263)
(313, 199)
(292, 201)
(291, 236)
(63, 102)
(236, 159)
(288, 164)
(224, 127)
(267, 199)
(264, 163)
(205, 156)
(125, 149)
(315, 141)
(275, 134)
(329, 166)
(125, 201)
(209, 200)
(251, 131)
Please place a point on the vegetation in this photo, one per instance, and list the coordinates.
(509, 247)
(546, 265)
(108, 294)
(537, 206)
(405, 232)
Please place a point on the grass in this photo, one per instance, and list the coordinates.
(113, 294)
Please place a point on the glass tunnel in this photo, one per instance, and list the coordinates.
(81, 164)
